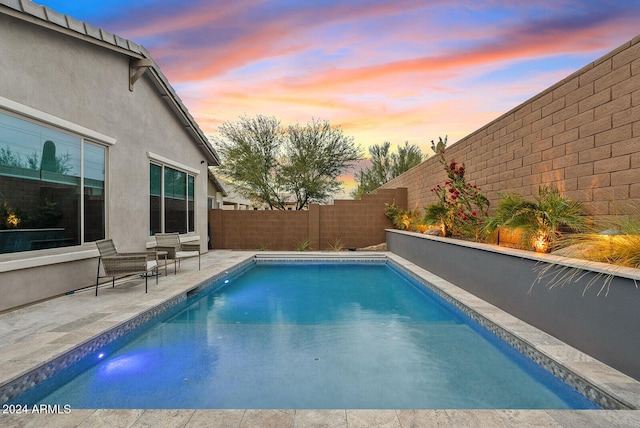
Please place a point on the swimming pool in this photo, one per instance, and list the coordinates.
(348, 335)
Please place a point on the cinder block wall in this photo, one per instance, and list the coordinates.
(581, 135)
(354, 223)
(256, 230)
(358, 223)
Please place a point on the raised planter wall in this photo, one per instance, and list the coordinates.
(605, 327)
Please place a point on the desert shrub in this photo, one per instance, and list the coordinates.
(403, 219)
(543, 221)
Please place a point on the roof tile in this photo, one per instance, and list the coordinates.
(121, 42)
(34, 9)
(13, 4)
(108, 37)
(92, 31)
(56, 17)
(134, 47)
(75, 25)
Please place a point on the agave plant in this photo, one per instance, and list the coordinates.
(541, 221)
(336, 245)
(304, 245)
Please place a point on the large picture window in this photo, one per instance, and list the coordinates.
(52, 186)
(171, 205)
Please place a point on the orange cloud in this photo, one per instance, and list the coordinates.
(268, 69)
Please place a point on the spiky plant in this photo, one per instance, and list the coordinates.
(542, 221)
(625, 248)
(437, 215)
(304, 245)
(336, 245)
(619, 244)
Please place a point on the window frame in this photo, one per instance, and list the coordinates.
(163, 163)
(85, 137)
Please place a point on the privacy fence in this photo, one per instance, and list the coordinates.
(346, 223)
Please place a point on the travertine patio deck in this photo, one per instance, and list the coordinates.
(38, 333)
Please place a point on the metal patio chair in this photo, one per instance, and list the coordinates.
(176, 250)
(124, 264)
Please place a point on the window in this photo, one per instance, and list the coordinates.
(171, 204)
(94, 192)
(43, 173)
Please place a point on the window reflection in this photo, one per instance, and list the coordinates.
(177, 200)
(40, 187)
(191, 204)
(94, 198)
(155, 202)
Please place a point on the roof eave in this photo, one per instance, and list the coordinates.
(48, 18)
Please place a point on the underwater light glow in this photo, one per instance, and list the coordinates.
(131, 363)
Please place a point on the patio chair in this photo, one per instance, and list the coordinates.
(176, 250)
(124, 264)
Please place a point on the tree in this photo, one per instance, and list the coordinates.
(317, 155)
(407, 157)
(277, 165)
(251, 149)
(385, 166)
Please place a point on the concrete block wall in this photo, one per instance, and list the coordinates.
(250, 230)
(360, 223)
(354, 223)
(581, 134)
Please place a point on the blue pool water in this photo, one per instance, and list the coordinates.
(314, 336)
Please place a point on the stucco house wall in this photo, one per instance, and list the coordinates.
(52, 71)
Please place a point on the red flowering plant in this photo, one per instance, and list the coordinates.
(461, 207)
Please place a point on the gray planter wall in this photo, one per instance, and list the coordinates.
(605, 327)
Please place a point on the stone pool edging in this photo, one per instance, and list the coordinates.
(50, 368)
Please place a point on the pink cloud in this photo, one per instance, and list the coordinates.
(407, 98)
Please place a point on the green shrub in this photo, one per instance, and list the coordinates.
(336, 245)
(304, 245)
(403, 219)
(542, 221)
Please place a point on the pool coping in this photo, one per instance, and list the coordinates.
(624, 389)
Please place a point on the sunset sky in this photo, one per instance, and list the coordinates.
(396, 70)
